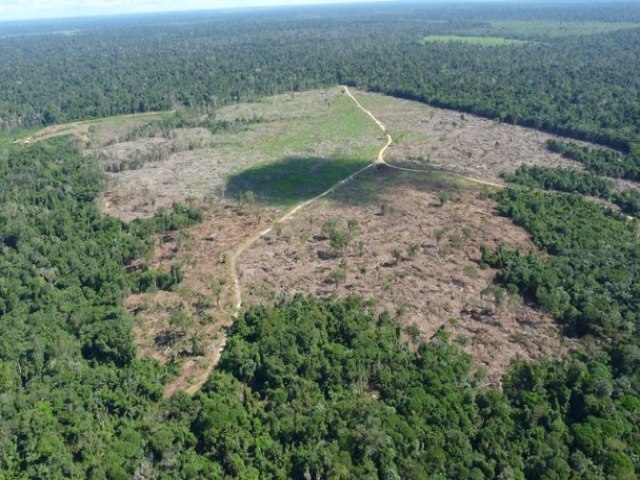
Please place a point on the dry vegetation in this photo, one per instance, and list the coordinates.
(186, 325)
(414, 240)
(409, 241)
(93, 132)
(321, 124)
(413, 245)
(432, 137)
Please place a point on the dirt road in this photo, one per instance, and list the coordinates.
(237, 253)
(381, 159)
(79, 129)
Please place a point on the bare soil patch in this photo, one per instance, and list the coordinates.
(425, 136)
(185, 326)
(320, 124)
(416, 237)
(416, 258)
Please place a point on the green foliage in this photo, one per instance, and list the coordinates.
(339, 237)
(304, 389)
(485, 41)
(571, 181)
(185, 118)
(339, 275)
(412, 250)
(308, 374)
(562, 180)
(443, 198)
(545, 29)
(628, 201)
(601, 161)
(74, 396)
(180, 216)
(152, 279)
(530, 79)
(216, 288)
(413, 331)
(246, 198)
(309, 389)
(320, 371)
(590, 284)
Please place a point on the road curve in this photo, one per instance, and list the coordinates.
(381, 159)
(247, 244)
(233, 263)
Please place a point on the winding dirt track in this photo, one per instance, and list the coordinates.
(237, 253)
(246, 245)
(381, 159)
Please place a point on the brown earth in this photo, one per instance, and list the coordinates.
(429, 137)
(415, 250)
(199, 163)
(424, 137)
(419, 260)
(433, 280)
(186, 326)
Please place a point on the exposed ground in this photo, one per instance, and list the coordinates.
(294, 145)
(416, 251)
(187, 326)
(415, 257)
(427, 137)
(275, 145)
(415, 237)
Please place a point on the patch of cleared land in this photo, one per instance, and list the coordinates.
(186, 326)
(414, 257)
(426, 138)
(288, 148)
(413, 238)
(485, 41)
(282, 148)
(416, 237)
(93, 132)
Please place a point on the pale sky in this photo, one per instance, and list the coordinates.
(29, 9)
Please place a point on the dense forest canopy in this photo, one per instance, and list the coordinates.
(583, 84)
(309, 389)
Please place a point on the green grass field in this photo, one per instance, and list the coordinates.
(285, 149)
(306, 148)
(340, 123)
(293, 179)
(484, 41)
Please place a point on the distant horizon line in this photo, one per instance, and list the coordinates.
(96, 12)
(213, 9)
